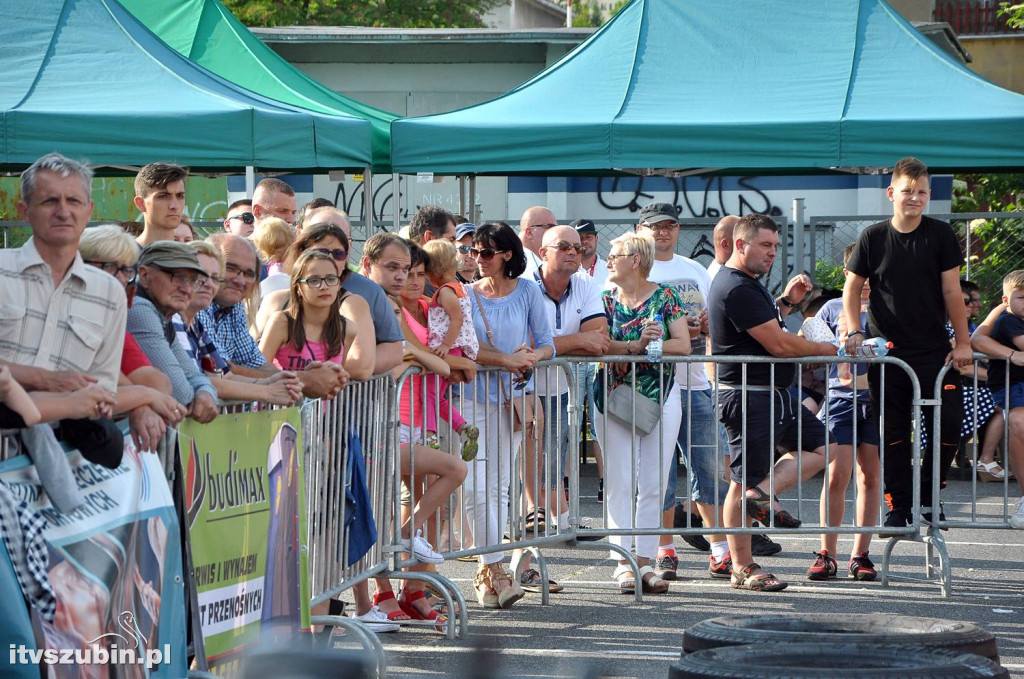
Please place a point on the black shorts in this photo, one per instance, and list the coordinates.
(795, 426)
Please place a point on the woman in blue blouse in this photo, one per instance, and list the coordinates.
(514, 337)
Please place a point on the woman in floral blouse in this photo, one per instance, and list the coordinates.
(631, 306)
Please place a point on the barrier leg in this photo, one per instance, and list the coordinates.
(627, 555)
(542, 568)
(365, 637)
(449, 592)
(936, 542)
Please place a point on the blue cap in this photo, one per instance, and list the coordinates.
(463, 230)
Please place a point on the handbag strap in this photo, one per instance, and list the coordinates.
(490, 336)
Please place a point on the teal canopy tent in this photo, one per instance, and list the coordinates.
(732, 85)
(208, 34)
(85, 78)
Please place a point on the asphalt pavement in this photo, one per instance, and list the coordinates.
(590, 630)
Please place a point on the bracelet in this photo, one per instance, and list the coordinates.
(785, 302)
(1010, 357)
(855, 332)
(628, 350)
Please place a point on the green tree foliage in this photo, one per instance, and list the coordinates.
(1014, 14)
(587, 13)
(997, 245)
(829, 274)
(378, 13)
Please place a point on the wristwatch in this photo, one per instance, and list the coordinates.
(785, 302)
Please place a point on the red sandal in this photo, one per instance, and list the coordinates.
(406, 599)
(401, 615)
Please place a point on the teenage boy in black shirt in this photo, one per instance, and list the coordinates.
(913, 265)
(758, 412)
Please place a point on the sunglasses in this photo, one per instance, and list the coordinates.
(612, 258)
(566, 247)
(465, 249)
(337, 254)
(246, 217)
(485, 254)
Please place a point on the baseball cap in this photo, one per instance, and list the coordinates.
(658, 212)
(168, 254)
(465, 229)
(583, 226)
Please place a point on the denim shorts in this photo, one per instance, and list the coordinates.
(700, 431)
(841, 417)
(1016, 396)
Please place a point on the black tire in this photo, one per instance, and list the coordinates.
(828, 628)
(823, 661)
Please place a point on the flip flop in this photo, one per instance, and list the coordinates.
(531, 582)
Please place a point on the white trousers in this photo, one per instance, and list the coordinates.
(650, 458)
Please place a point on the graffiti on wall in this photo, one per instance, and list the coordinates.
(696, 197)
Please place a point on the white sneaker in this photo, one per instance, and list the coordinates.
(1017, 518)
(377, 621)
(422, 550)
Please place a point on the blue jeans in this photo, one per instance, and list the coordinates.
(699, 433)
(556, 436)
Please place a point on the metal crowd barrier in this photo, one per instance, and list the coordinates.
(985, 510)
(525, 467)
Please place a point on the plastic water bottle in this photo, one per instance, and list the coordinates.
(654, 346)
(870, 348)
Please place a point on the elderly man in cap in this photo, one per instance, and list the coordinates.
(468, 270)
(169, 273)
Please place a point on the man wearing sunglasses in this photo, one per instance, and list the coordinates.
(160, 197)
(572, 301)
(169, 274)
(240, 220)
(532, 225)
(468, 269)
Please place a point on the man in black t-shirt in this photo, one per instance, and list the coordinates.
(758, 412)
(913, 265)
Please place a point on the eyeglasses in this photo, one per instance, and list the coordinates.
(566, 247)
(233, 271)
(665, 225)
(337, 254)
(210, 280)
(112, 268)
(542, 226)
(485, 254)
(246, 217)
(465, 249)
(315, 282)
(189, 280)
(612, 258)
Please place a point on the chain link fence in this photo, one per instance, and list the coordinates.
(993, 246)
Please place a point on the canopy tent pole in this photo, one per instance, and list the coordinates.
(250, 181)
(462, 195)
(396, 194)
(471, 202)
(368, 201)
(799, 256)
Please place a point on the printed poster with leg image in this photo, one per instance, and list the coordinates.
(246, 511)
(114, 567)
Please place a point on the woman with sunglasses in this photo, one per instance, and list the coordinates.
(638, 312)
(143, 391)
(513, 329)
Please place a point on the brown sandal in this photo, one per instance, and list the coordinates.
(485, 594)
(650, 581)
(756, 582)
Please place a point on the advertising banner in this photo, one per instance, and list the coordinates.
(114, 568)
(245, 507)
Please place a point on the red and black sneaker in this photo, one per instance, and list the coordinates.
(722, 568)
(823, 568)
(861, 568)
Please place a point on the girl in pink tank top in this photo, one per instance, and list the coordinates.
(310, 328)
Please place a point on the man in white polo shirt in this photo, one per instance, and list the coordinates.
(579, 327)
